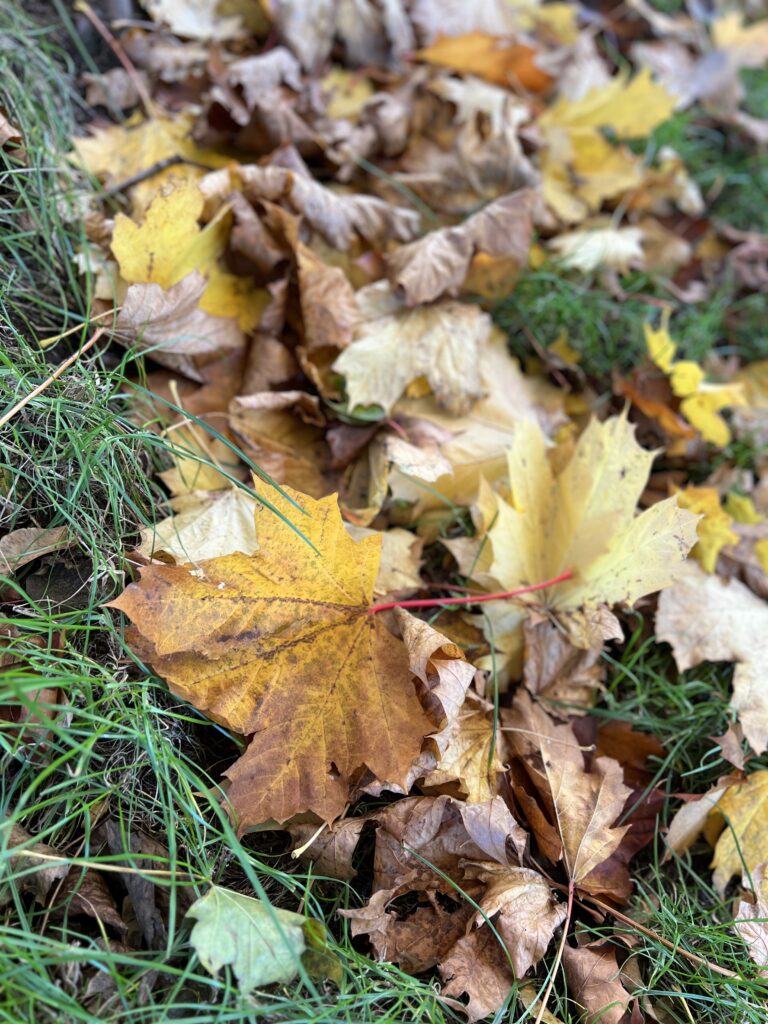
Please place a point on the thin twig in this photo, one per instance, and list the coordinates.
(49, 380)
(146, 101)
(440, 602)
(150, 172)
(648, 932)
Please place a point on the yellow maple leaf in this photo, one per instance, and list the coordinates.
(714, 526)
(280, 646)
(169, 244)
(583, 518)
(122, 151)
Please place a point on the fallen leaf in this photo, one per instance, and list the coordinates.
(689, 821)
(553, 668)
(714, 527)
(499, 61)
(752, 916)
(340, 217)
(262, 944)
(20, 547)
(478, 966)
(594, 982)
(743, 810)
(395, 346)
(438, 263)
(172, 328)
(705, 618)
(205, 525)
(331, 851)
(474, 445)
(231, 640)
(581, 806)
(197, 19)
(583, 519)
(521, 906)
(591, 249)
(32, 866)
(469, 755)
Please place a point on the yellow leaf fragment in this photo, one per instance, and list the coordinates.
(742, 508)
(713, 529)
(631, 109)
(744, 840)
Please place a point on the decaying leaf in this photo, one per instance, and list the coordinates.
(438, 263)
(32, 866)
(706, 618)
(752, 916)
(20, 547)
(579, 808)
(593, 979)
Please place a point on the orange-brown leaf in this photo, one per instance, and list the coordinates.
(280, 647)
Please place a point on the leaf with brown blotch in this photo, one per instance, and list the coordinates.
(281, 647)
(581, 805)
(594, 983)
(438, 263)
(521, 906)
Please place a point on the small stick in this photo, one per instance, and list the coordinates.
(150, 172)
(440, 602)
(146, 101)
(49, 380)
(648, 932)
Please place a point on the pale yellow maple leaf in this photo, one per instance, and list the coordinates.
(583, 518)
(706, 618)
(395, 345)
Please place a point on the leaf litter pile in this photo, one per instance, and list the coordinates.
(310, 219)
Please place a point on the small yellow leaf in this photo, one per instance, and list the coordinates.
(761, 552)
(562, 348)
(714, 528)
(742, 508)
(686, 377)
(702, 412)
(660, 346)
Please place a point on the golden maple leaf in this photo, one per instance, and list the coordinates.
(280, 646)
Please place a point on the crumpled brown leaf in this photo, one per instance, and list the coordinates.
(594, 983)
(438, 263)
